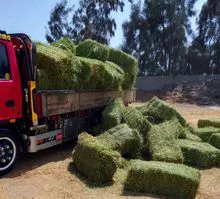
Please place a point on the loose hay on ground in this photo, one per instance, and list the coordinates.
(198, 154)
(206, 123)
(215, 140)
(122, 139)
(206, 132)
(174, 180)
(95, 161)
(113, 113)
(163, 144)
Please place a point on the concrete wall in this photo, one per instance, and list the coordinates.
(159, 82)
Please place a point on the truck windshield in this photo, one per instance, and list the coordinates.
(4, 63)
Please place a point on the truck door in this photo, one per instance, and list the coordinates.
(10, 86)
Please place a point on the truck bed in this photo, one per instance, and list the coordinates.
(62, 101)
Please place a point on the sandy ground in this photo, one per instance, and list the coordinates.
(45, 175)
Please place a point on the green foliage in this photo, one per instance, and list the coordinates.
(207, 123)
(113, 113)
(173, 180)
(162, 141)
(122, 139)
(135, 120)
(161, 111)
(215, 140)
(207, 132)
(94, 160)
(199, 154)
(128, 63)
(92, 49)
(66, 44)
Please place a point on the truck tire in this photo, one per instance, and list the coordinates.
(8, 153)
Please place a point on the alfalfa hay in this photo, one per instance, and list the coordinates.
(113, 113)
(135, 120)
(92, 49)
(67, 45)
(206, 123)
(93, 160)
(163, 144)
(173, 180)
(122, 139)
(199, 154)
(128, 63)
(215, 140)
(206, 132)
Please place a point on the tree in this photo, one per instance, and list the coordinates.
(93, 19)
(158, 35)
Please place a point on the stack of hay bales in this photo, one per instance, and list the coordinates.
(206, 133)
(63, 65)
(206, 123)
(174, 180)
(215, 140)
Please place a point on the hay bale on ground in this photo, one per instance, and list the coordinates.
(128, 63)
(199, 154)
(66, 44)
(135, 120)
(163, 144)
(192, 137)
(92, 49)
(215, 140)
(174, 180)
(206, 132)
(207, 123)
(95, 161)
(161, 111)
(113, 113)
(122, 139)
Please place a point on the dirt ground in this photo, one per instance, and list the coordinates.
(45, 175)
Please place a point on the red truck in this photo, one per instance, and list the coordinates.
(31, 119)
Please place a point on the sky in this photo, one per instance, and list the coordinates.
(31, 17)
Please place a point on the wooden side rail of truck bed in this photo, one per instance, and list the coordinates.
(62, 102)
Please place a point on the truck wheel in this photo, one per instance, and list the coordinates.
(8, 153)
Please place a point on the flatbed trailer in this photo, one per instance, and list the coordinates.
(31, 119)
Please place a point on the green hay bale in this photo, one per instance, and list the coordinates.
(113, 113)
(95, 161)
(206, 123)
(122, 139)
(215, 140)
(128, 63)
(163, 144)
(199, 154)
(173, 180)
(192, 137)
(99, 75)
(92, 49)
(135, 120)
(206, 132)
(57, 70)
(161, 111)
(66, 44)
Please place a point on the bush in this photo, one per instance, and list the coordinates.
(161, 111)
(206, 132)
(67, 45)
(162, 141)
(174, 180)
(95, 161)
(128, 63)
(92, 49)
(207, 123)
(122, 139)
(215, 140)
(199, 154)
(113, 113)
(135, 120)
